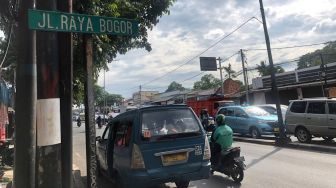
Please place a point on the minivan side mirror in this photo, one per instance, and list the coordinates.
(98, 138)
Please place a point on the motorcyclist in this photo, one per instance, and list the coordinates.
(221, 139)
(204, 116)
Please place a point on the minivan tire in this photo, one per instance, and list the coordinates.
(254, 132)
(182, 184)
(303, 135)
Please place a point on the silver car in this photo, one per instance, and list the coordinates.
(312, 117)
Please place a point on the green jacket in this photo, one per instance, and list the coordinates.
(224, 136)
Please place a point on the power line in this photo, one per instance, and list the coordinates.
(287, 47)
(211, 46)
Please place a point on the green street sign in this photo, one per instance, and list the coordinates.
(80, 23)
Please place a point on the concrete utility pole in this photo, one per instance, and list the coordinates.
(48, 153)
(245, 77)
(25, 130)
(282, 136)
(65, 53)
(221, 75)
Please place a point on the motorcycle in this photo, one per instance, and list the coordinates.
(228, 162)
(231, 164)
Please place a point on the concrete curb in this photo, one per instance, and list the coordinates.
(293, 145)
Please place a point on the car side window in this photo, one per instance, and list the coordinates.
(227, 112)
(316, 108)
(240, 113)
(124, 132)
(332, 107)
(298, 107)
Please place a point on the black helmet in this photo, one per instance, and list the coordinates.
(220, 119)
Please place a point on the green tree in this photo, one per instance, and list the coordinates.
(101, 95)
(229, 72)
(207, 81)
(313, 59)
(105, 47)
(265, 70)
(174, 86)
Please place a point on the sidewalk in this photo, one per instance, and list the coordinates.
(7, 177)
(320, 146)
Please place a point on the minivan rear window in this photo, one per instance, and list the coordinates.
(169, 124)
(298, 107)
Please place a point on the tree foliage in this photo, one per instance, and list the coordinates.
(207, 81)
(313, 59)
(229, 72)
(100, 95)
(265, 70)
(174, 86)
(106, 47)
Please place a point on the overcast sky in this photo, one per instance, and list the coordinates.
(193, 25)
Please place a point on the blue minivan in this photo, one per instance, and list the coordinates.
(250, 120)
(154, 145)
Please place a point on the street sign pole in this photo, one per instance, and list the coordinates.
(65, 53)
(282, 139)
(25, 130)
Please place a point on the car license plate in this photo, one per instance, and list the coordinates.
(175, 158)
(276, 129)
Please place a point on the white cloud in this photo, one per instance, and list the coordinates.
(192, 26)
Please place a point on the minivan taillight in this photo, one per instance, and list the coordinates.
(207, 152)
(137, 159)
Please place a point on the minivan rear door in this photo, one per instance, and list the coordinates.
(316, 118)
(171, 142)
(332, 118)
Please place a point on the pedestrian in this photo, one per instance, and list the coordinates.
(99, 122)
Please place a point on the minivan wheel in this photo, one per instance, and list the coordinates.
(182, 184)
(303, 135)
(254, 132)
(327, 138)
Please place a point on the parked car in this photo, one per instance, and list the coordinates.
(312, 117)
(250, 120)
(154, 145)
(271, 108)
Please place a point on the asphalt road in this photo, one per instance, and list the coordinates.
(267, 166)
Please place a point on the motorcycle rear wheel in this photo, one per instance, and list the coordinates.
(237, 173)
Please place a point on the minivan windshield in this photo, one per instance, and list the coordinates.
(169, 123)
(256, 111)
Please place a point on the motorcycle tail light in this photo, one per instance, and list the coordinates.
(137, 159)
(206, 152)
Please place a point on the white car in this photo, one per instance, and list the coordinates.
(271, 108)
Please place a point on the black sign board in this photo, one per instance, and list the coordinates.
(208, 63)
